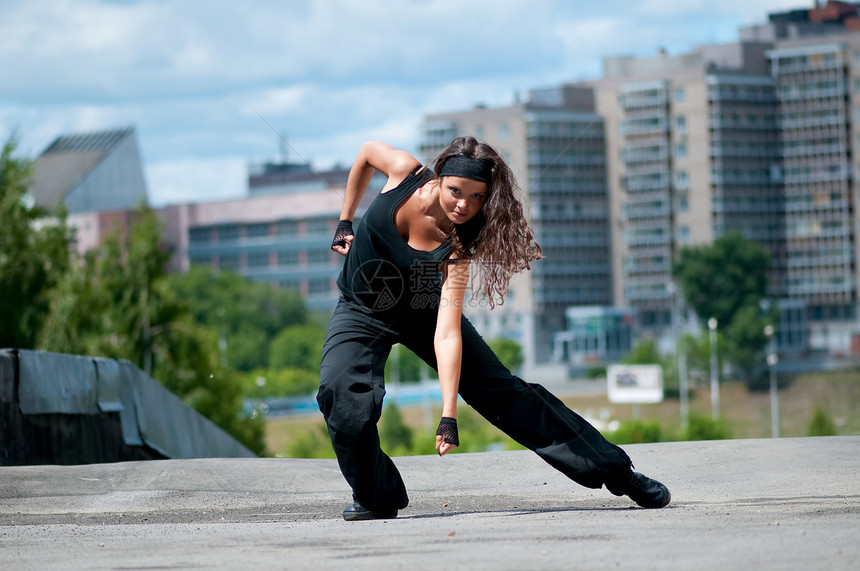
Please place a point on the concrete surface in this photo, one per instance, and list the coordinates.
(753, 504)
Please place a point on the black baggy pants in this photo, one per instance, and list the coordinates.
(352, 388)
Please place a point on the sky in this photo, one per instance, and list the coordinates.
(212, 86)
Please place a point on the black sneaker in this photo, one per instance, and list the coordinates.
(646, 492)
(357, 512)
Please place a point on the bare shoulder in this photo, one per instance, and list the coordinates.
(395, 164)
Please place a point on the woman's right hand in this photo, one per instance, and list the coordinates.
(343, 237)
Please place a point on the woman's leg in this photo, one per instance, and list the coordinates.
(529, 413)
(350, 397)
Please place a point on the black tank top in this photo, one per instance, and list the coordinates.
(382, 272)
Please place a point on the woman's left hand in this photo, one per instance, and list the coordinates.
(447, 436)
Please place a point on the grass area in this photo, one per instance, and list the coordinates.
(745, 414)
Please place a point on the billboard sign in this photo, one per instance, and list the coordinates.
(635, 383)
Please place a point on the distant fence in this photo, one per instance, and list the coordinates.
(69, 409)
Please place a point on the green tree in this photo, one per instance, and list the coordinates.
(745, 341)
(717, 280)
(698, 351)
(643, 353)
(246, 315)
(408, 365)
(509, 352)
(727, 280)
(34, 253)
(287, 382)
(119, 304)
(298, 347)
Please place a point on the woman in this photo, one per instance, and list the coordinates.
(404, 279)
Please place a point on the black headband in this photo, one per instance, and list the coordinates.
(480, 170)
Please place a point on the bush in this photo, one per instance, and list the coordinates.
(637, 432)
(596, 372)
(311, 443)
(398, 439)
(704, 428)
(394, 435)
(820, 424)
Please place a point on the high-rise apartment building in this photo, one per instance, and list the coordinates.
(692, 153)
(757, 136)
(817, 89)
(554, 143)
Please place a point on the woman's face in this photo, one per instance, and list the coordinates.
(461, 198)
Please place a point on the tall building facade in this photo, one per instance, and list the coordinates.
(818, 89)
(555, 145)
(756, 137)
(692, 153)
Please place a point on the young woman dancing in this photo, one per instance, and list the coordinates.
(407, 268)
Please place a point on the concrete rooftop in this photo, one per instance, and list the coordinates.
(753, 504)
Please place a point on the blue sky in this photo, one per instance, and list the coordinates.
(194, 77)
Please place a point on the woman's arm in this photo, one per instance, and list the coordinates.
(448, 341)
(373, 156)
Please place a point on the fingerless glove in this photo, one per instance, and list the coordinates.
(448, 430)
(344, 229)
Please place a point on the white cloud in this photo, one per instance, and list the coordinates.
(276, 101)
(328, 74)
(194, 180)
(743, 11)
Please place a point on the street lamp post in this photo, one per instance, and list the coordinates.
(715, 382)
(681, 357)
(772, 360)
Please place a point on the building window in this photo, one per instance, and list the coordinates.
(684, 234)
(319, 257)
(228, 263)
(679, 94)
(680, 150)
(318, 226)
(504, 131)
(288, 258)
(228, 233)
(479, 131)
(681, 123)
(199, 235)
(319, 287)
(258, 260)
(256, 230)
(683, 204)
(287, 228)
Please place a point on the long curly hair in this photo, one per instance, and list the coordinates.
(498, 240)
